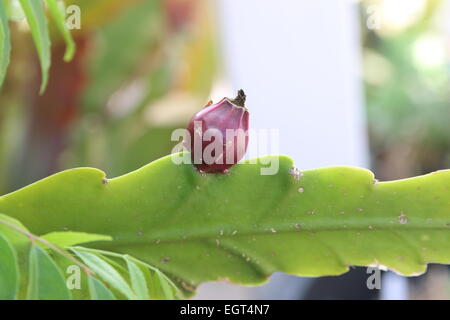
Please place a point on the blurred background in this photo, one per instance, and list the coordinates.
(363, 83)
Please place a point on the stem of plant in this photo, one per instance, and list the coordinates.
(55, 248)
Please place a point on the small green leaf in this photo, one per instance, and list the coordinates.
(46, 281)
(106, 272)
(70, 238)
(9, 270)
(14, 237)
(58, 15)
(5, 44)
(98, 291)
(166, 287)
(138, 281)
(12, 230)
(116, 265)
(14, 10)
(35, 14)
(161, 288)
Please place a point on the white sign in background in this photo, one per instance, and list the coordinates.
(299, 63)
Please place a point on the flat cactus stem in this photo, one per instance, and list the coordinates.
(244, 226)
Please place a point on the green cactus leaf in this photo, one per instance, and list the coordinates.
(244, 226)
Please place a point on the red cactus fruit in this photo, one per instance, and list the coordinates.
(219, 134)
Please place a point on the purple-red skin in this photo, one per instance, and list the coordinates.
(226, 114)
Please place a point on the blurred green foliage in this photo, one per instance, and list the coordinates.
(407, 79)
(134, 60)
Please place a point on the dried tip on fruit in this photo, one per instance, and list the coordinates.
(227, 121)
(240, 99)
